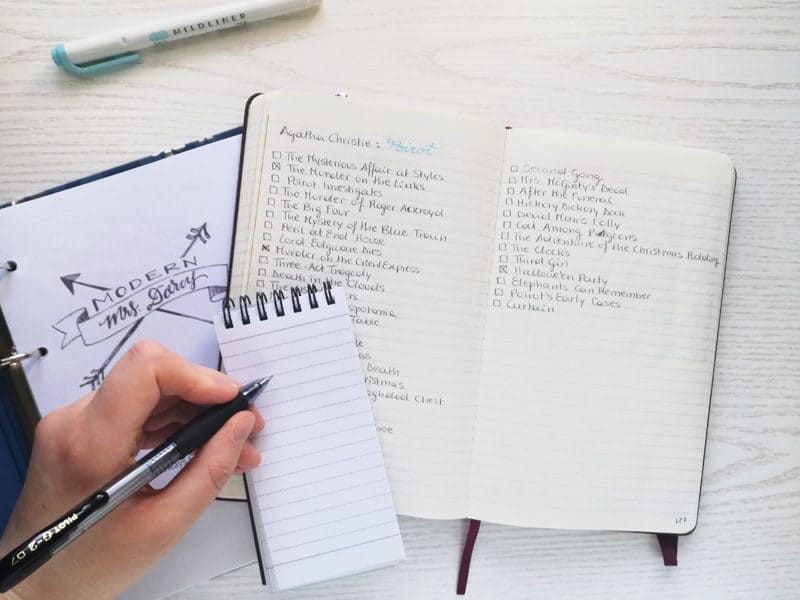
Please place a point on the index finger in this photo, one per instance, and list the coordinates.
(147, 373)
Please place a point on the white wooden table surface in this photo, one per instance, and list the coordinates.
(718, 75)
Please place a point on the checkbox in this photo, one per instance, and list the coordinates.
(270, 213)
(506, 213)
(514, 168)
(503, 259)
(503, 247)
(504, 235)
(506, 224)
(498, 292)
(496, 303)
(273, 189)
(510, 191)
(502, 268)
(512, 180)
(264, 260)
(267, 236)
(276, 166)
(276, 154)
(271, 201)
(275, 178)
(260, 283)
(501, 281)
(509, 202)
(262, 272)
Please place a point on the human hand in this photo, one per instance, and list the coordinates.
(146, 397)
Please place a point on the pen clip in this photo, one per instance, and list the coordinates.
(60, 57)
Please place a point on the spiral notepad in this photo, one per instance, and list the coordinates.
(320, 500)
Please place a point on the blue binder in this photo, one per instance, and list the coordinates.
(16, 426)
(14, 454)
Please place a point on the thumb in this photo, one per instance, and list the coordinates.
(188, 495)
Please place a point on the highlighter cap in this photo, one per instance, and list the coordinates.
(59, 55)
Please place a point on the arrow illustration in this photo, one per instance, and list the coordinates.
(197, 234)
(72, 280)
(96, 377)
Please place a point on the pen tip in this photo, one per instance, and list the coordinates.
(254, 388)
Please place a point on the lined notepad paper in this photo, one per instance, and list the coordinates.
(320, 500)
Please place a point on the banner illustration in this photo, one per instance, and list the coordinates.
(116, 312)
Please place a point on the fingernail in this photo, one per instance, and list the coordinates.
(243, 429)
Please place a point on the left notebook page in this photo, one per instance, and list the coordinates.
(139, 254)
(396, 205)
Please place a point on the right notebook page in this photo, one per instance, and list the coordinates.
(601, 333)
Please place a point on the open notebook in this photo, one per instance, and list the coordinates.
(320, 500)
(536, 311)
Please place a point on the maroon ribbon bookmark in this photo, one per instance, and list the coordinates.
(466, 556)
(668, 542)
(669, 548)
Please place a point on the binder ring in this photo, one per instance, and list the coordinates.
(262, 301)
(9, 265)
(20, 356)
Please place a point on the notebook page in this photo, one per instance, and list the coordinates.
(601, 334)
(397, 206)
(320, 498)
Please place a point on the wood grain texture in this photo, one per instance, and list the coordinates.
(718, 75)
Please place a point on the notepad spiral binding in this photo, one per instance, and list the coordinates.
(278, 298)
(17, 357)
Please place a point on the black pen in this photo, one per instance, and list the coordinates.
(37, 550)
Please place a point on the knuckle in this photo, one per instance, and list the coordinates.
(219, 473)
(47, 430)
(147, 351)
